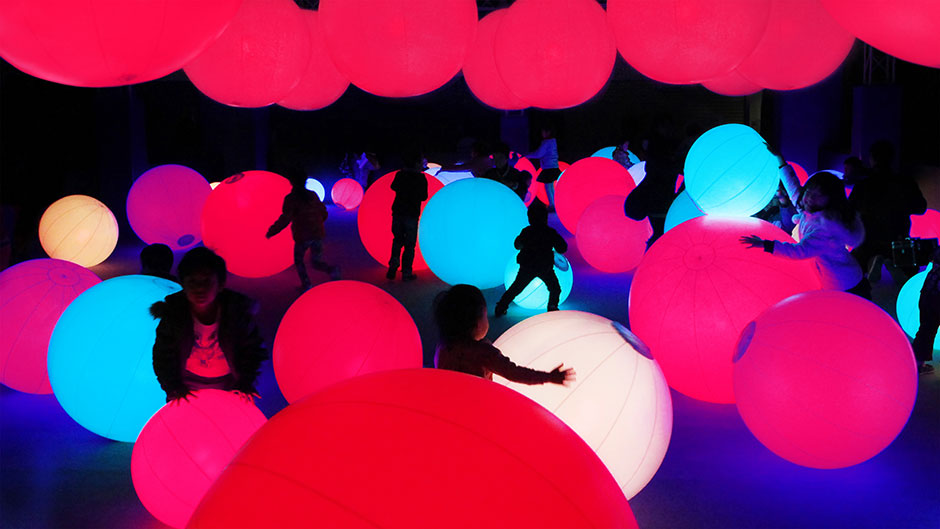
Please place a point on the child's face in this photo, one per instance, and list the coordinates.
(201, 288)
(814, 199)
(483, 326)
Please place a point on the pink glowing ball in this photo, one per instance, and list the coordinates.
(184, 448)
(340, 330)
(584, 182)
(731, 84)
(259, 59)
(417, 448)
(479, 68)
(108, 43)
(801, 174)
(825, 379)
(801, 46)
(165, 206)
(686, 41)
(321, 84)
(554, 53)
(698, 287)
(375, 218)
(33, 294)
(236, 217)
(609, 240)
(398, 49)
(347, 192)
(926, 226)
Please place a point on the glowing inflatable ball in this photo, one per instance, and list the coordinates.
(423, 48)
(698, 287)
(586, 181)
(536, 188)
(907, 307)
(184, 448)
(321, 84)
(606, 152)
(106, 43)
(801, 46)
(340, 330)
(258, 59)
(33, 294)
(535, 295)
(554, 53)
(681, 210)
(447, 177)
(236, 217)
(312, 184)
(638, 172)
(621, 405)
(433, 168)
(79, 229)
(926, 226)
(374, 219)
(101, 356)
(214, 185)
(609, 240)
(347, 193)
(479, 68)
(730, 171)
(907, 30)
(290, 472)
(467, 231)
(165, 206)
(799, 396)
(732, 84)
(801, 174)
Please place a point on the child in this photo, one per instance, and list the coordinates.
(536, 259)
(157, 260)
(411, 189)
(462, 323)
(547, 155)
(929, 306)
(207, 337)
(305, 213)
(506, 174)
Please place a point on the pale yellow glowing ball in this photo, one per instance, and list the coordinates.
(214, 185)
(79, 229)
(619, 403)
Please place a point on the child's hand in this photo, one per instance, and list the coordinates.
(752, 241)
(179, 398)
(563, 376)
(247, 397)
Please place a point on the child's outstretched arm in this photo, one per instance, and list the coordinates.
(559, 243)
(506, 368)
(282, 221)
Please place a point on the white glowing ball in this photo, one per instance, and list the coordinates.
(535, 294)
(79, 229)
(447, 177)
(637, 171)
(619, 403)
(214, 185)
(433, 168)
(312, 184)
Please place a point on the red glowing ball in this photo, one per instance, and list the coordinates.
(165, 206)
(321, 84)
(418, 448)
(584, 182)
(398, 49)
(801, 46)
(698, 287)
(34, 294)
(906, 29)
(375, 219)
(259, 59)
(479, 68)
(732, 84)
(609, 240)
(347, 193)
(926, 226)
(185, 446)
(825, 379)
(686, 41)
(554, 53)
(801, 174)
(105, 42)
(340, 330)
(236, 217)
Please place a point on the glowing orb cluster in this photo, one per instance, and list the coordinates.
(347, 193)
(321, 84)
(79, 229)
(584, 182)
(479, 67)
(165, 206)
(535, 295)
(609, 240)
(907, 305)
(681, 210)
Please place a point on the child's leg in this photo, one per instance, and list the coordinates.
(550, 192)
(409, 235)
(398, 242)
(316, 261)
(554, 289)
(929, 306)
(300, 247)
(523, 278)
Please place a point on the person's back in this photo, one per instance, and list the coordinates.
(411, 189)
(307, 214)
(536, 244)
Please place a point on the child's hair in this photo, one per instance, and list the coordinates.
(538, 213)
(457, 312)
(832, 187)
(854, 162)
(156, 257)
(500, 148)
(202, 259)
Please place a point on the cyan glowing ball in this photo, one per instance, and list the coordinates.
(184, 448)
(825, 379)
(80, 229)
(608, 152)
(609, 240)
(619, 403)
(312, 184)
(101, 356)
(681, 210)
(467, 231)
(33, 294)
(165, 206)
(908, 310)
(535, 294)
(730, 171)
(346, 193)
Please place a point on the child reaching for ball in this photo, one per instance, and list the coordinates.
(460, 313)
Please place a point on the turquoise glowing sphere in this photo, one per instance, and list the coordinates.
(730, 171)
(681, 210)
(312, 184)
(907, 310)
(467, 231)
(100, 356)
(535, 294)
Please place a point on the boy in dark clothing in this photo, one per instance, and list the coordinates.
(411, 189)
(536, 258)
(505, 174)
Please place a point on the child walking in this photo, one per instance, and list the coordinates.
(547, 155)
(411, 189)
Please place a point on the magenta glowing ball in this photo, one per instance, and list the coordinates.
(375, 218)
(554, 53)
(236, 217)
(801, 174)
(698, 287)
(926, 226)
(347, 193)
(106, 43)
(731, 84)
(33, 294)
(686, 41)
(584, 182)
(165, 206)
(418, 448)
(321, 84)
(825, 379)
(479, 68)
(398, 49)
(801, 46)
(78, 228)
(184, 448)
(339, 330)
(609, 240)
(258, 59)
